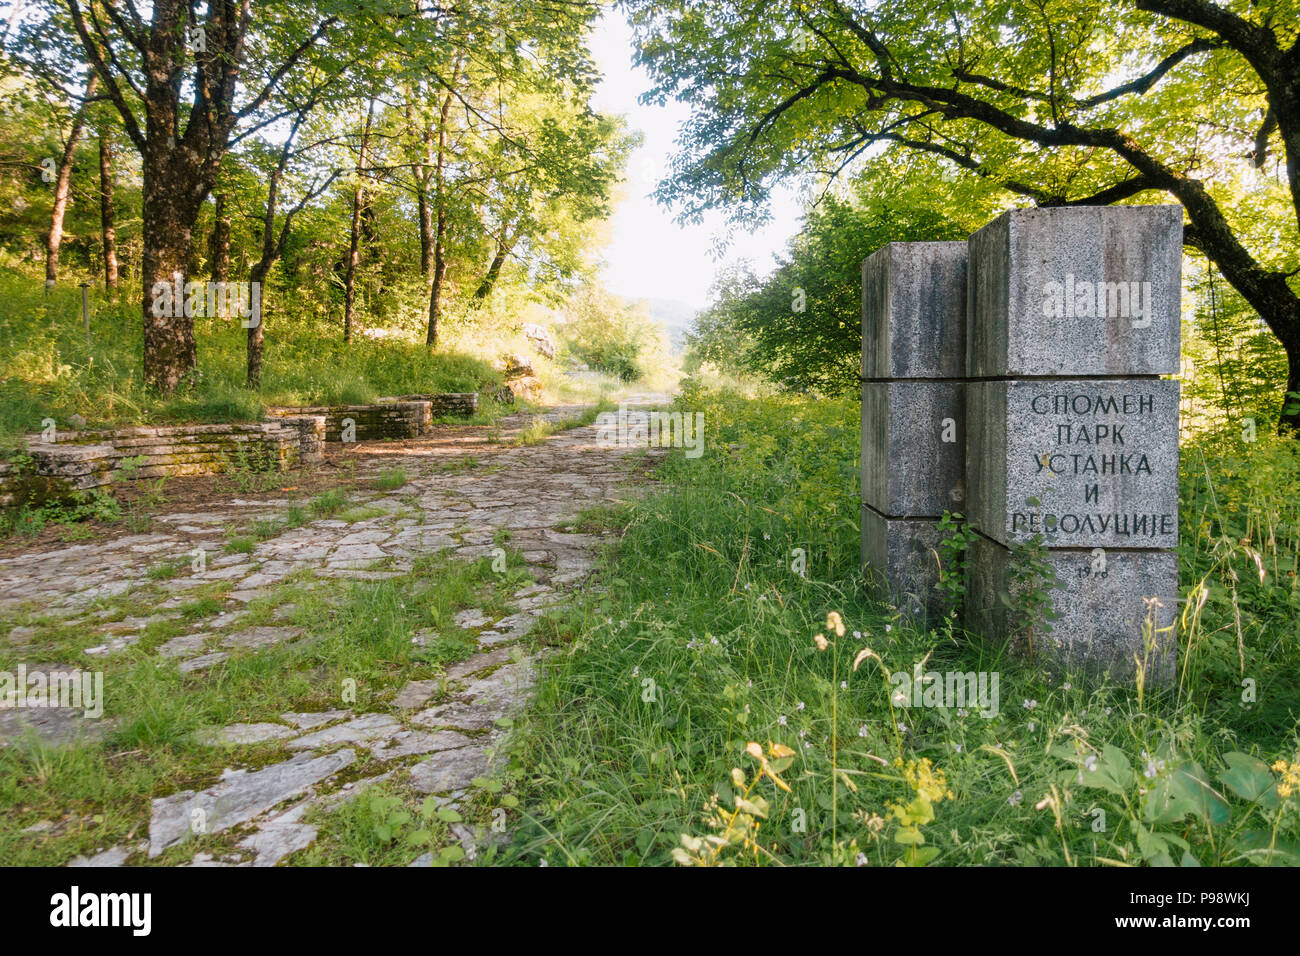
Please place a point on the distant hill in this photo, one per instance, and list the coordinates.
(677, 317)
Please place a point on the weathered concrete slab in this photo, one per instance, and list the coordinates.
(1099, 456)
(913, 447)
(914, 311)
(1104, 603)
(901, 559)
(1076, 291)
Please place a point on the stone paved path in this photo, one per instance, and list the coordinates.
(532, 490)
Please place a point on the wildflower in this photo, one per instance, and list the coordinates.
(861, 860)
(781, 720)
(766, 536)
(636, 670)
(835, 623)
(713, 641)
(1090, 762)
(1015, 798)
(956, 748)
(902, 727)
(1290, 781)
(888, 628)
(862, 731)
(857, 635)
(1065, 686)
(821, 642)
(1030, 704)
(962, 711)
(799, 706)
(1150, 771)
(844, 685)
(1031, 726)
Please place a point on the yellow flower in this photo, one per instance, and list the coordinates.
(821, 642)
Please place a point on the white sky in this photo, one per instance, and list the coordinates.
(650, 255)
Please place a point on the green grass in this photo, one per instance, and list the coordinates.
(705, 640)
(358, 635)
(390, 479)
(51, 372)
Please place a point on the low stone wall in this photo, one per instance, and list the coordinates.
(462, 404)
(84, 460)
(398, 419)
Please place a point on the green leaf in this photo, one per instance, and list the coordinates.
(448, 815)
(1249, 778)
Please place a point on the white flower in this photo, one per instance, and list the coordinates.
(861, 860)
(902, 726)
(1090, 762)
(714, 641)
(957, 747)
(1065, 686)
(1031, 726)
(799, 706)
(857, 635)
(1030, 704)
(636, 670)
(862, 731)
(1015, 798)
(781, 720)
(766, 536)
(844, 685)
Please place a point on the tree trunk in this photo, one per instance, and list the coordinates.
(258, 275)
(172, 200)
(63, 187)
(1289, 421)
(494, 272)
(107, 225)
(219, 245)
(354, 248)
(440, 233)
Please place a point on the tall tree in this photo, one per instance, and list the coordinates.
(63, 185)
(147, 68)
(1088, 102)
(354, 235)
(107, 214)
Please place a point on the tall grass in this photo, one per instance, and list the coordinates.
(50, 370)
(706, 640)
